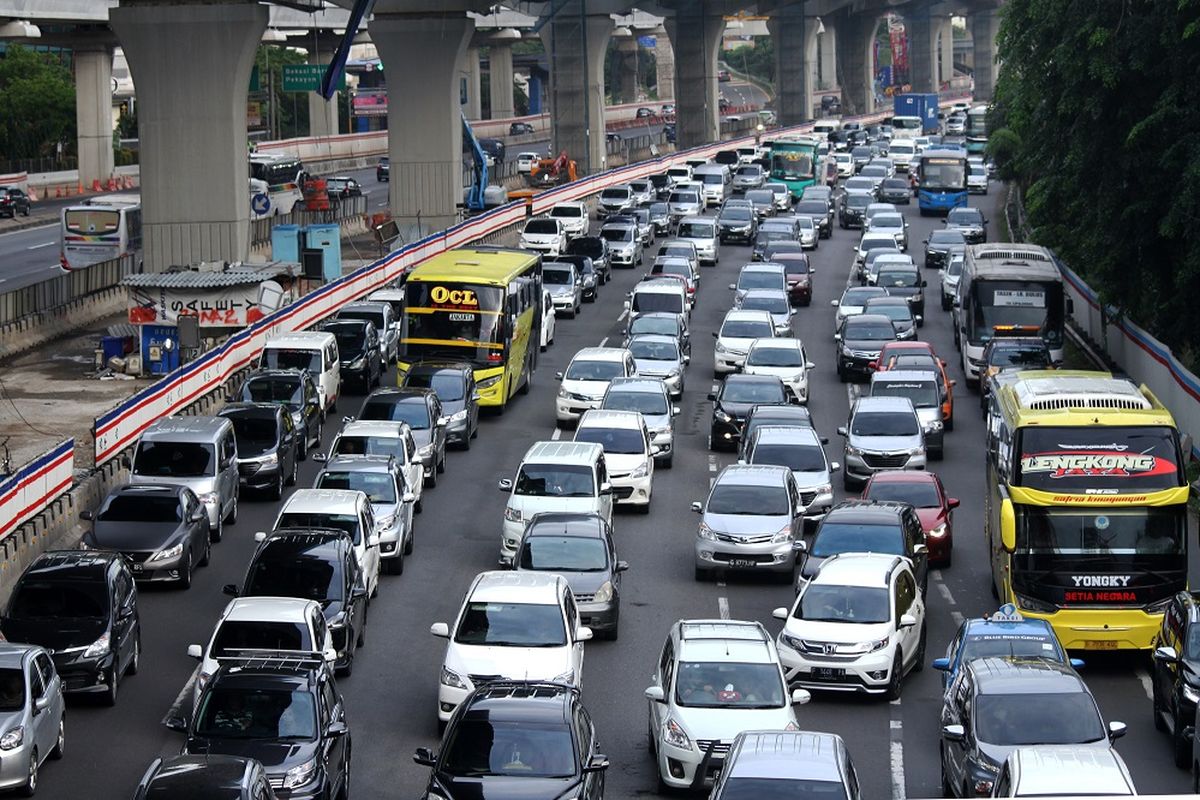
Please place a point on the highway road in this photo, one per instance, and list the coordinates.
(391, 696)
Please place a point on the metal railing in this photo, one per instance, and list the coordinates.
(339, 211)
(10, 166)
(63, 289)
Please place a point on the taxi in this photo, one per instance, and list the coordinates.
(1004, 633)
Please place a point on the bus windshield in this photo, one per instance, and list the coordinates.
(1112, 458)
(1102, 532)
(1036, 305)
(792, 165)
(460, 321)
(944, 174)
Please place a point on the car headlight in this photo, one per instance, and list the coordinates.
(641, 472)
(791, 642)
(865, 647)
(564, 394)
(385, 523)
(13, 738)
(934, 426)
(1190, 693)
(98, 648)
(825, 488)
(297, 417)
(604, 593)
(512, 514)
(458, 416)
(721, 348)
(168, 553)
(938, 532)
(784, 534)
(567, 677)
(269, 460)
(300, 775)
(202, 681)
(488, 383)
(358, 363)
(453, 679)
(674, 735)
(705, 532)
(722, 416)
(917, 451)
(851, 450)
(208, 498)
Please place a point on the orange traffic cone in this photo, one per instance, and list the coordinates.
(79, 188)
(96, 185)
(58, 191)
(32, 195)
(112, 184)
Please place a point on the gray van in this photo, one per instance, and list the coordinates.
(197, 452)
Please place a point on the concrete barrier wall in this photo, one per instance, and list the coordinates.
(27, 491)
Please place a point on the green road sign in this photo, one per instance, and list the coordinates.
(306, 77)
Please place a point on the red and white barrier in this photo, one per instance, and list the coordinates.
(25, 493)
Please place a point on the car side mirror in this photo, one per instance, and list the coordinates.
(1076, 663)
(336, 728)
(809, 365)
(941, 664)
(558, 376)
(833, 303)
(801, 697)
(800, 546)
(372, 541)
(675, 411)
(907, 621)
(443, 422)
(924, 283)
(606, 488)
(475, 397)
(952, 503)
(195, 651)
(712, 396)
(359, 592)
(835, 466)
(598, 763)
(698, 507)
(841, 431)
(920, 549)
(780, 613)
(408, 497)
(126, 463)
(953, 733)
(1166, 655)
(1116, 730)
(230, 589)
(176, 722)
(260, 536)
(198, 515)
(621, 566)
(86, 514)
(504, 484)
(425, 757)
(953, 382)
(583, 634)
(320, 458)
(440, 630)
(655, 693)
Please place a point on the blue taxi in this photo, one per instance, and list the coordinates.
(1004, 633)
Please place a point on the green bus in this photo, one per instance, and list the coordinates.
(794, 162)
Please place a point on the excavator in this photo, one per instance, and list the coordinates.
(552, 171)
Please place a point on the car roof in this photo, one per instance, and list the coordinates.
(868, 512)
(753, 475)
(186, 428)
(903, 476)
(875, 403)
(1067, 769)
(724, 640)
(566, 523)
(638, 383)
(775, 293)
(611, 418)
(331, 501)
(857, 569)
(72, 565)
(884, 300)
(433, 367)
(540, 588)
(13, 654)
(520, 702)
(740, 314)
(556, 452)
(776, 342)
(195, 777)
(374, 427)
(1006, 675)
(134, 489)
(787, 434)
(301, 339)
(795, 755)
(272, 609)
(898, 375)
(366, 305)
(358, 463)
(653, 338)
(601, 354)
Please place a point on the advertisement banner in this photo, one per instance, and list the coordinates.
(222, 307)
(370, 103)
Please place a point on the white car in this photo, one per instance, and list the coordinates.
(574, 218)
(382, 438)
(544, 235)
(950, 277)
(704, 233)
(337, 509)
(586, 380)
(512, 626)
(845, 164)
(525, 162)
(381, 478)
(895, 224)
(869, 241)
(738, 331)
(262, 623)
(784, 358)
(549, 319)
(774, 302)
(628, 453)
(853, 301)
(978, 181)
(858, 625)
(714, 679)
(810, 234)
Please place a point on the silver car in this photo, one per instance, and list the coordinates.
(566, 290)
(624, 246)
(883, 433)
(801, 450)
(650, 397)
(921, 387)
(752, 521)
(32, 715)
(748, 176)
(682, 204)
(392, 501)
(659, 356)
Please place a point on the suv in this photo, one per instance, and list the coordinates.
(295, 390)
(1063, 769)
(816, 764)
(82, 606)
(1176, 673)
(627, 451)
(422, 411)
(382, 315)
(801, 451)
(268, 445)
(315, 565)
(857, 626)
(359, 349)
(340, 508)
(732, 401)
(862, 526)
(283, 708)
(382, 480)
(512, 626)
(753, 519)
(534, 739)
(614, 200)
(997, 704)
(33, 716)
(882, 433)
(921, 388)
(714, 679)
(13, 201)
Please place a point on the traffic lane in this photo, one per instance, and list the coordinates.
(28, 256)
(740, 93)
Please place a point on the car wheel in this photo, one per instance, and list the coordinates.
(277, 489)
(216, 533)
(110, 693)
(348, 669)
(207, 557)
(29, 787)
(60, 744)
(938, 454)
(185, 571)
(702, 575)
(419, 506)
(233, 512)
(919, 663)
(431, 480)
(893, 687)
(441, 466)
(644, 509)
(668, 461)
(945, 304)
(411, 542)
(135, 661)
(395, 566)
(1181, 745)
(950, 423)
(361, 641)
(291, 481)
(847, 482)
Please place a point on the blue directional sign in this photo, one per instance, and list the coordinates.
(260, 204)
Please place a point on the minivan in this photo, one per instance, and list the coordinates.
(658, 295)
(713, 179)
(554, 476)
(315, 351)
(921, 387)
(628, 449)
(197, 452)
(704, 233)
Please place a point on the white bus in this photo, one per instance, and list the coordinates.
(283, 176)
(99, 229)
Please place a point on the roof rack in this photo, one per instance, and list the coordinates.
(256, 658)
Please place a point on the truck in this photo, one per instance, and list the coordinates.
(922, 106)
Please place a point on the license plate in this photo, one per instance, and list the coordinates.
(741, 562)
(1100, 644)
(137, 567)
(828, 673)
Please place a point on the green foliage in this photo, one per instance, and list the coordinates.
(1003, 147)
(1102, 101)
(37, 94)
(756, 60)
(289, 108)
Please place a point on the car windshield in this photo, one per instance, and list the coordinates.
(816, 207)
(856, 330)
(512, 625)
(760, 197)
(619, 441)
(142, 508)
(729, 684)
(885, 423)
(737, 215)
(780, 247)
(850, 537)
(584, 370)
(293, 575)
(919, 494)
(858, 297)
(696, 230)
(615, 194)
(564, 553)
(1031, 357)
(380, 487)
(658, 210)
(234, 635)
(174, 460)
(924, 394)
(413, 410)
(566, 211)
(775, 357)
(351, 339)
(238, 712)
(322, 519)
(774, 304)
(650, 324)
(590, 246)
(887, 221)
(617, 234)
(964, 216)
(57, 600)
(12, 689)
(556, 277)
(1027, 643)
(896, 184)
(860, 605)
(684, 198)
(351, 445)
(555, 480)
(254, 431)
(944, 238)
(1030, 719)
(273, 390)
(796, 457)
(898, 279)
(747, 500)
(896, 313)
(753, 788)
(282, 358)
(654, 351)
(793, 266)
(747, 329)
(753, 391)
(650, 403)
(482, 746)
(447, 385)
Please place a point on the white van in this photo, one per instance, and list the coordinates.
(823, 127)
(628, 451)
(554, 476)
(660, 294)
(705, 234)
(714, 178)
(315, 351)
(681, 172)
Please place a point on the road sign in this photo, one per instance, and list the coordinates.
(306, 77)
(260, 204)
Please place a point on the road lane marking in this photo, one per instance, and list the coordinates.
(958, 617)
(623, 315)
(39, 246)
(944, 590)
(1147, 682)
(554, 437)
(897, 765)
(28, 230)
(604, 342)
(723, 607)
(895, 723)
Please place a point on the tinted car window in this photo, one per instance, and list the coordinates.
(50, 600)
(413, 411)
(481, 747)
(141, 508)
(260, 635)
(848, 537)
(567, 553)
(243, 713)
(1014, 719)
(733, 498)
(512, 625)
(174, 459)
(291, 576)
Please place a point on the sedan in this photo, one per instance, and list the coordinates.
(342, 188)
(268, 444)
(162, 530)
(970, 222)
(734, 399)
(737, 224)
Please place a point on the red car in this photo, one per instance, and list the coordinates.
(799, 277)
(924, 492)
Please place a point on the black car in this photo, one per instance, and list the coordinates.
(861, 526)
(660, 218)
(494, 148)
(763, 238)
(595, 248)
(662, 183)
(788, 416)
(13, 201)
(906, 283)
(642, 113)
(533, 741)
(732, 402)
(737, 224)
(313, 564)
(519, 128)
(422, 410)
(295, 390)
(383, 170)
(1177, 673)
(852, 210)
(970, 222)
(342, 188)
(585, 269)
(454, 385)
(82, 606)
(859, 340)
(831, 104)
(359, 350)
(204, 776)
(283, 709)
(938, 246)
(820, 212)
(161, 530)
(1007, 353)
(896, 191)
(268, 445)
(669, 132)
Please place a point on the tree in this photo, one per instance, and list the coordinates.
(290, 108)
(37, 94)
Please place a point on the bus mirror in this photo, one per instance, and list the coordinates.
(1070, 306)
(1185, 443)
(1008, 526)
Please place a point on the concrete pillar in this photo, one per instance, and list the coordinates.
(322, 113)
(423, 57)
(946, 49)
(93, 113)
(856, 62)
(922, 30)
(627, 69)
(500, 61)
(471, 74)
(192, 64)
(696, 37)
(984, 26)
(576, 45)
(826, 55)
(795, 39)
(664, 57)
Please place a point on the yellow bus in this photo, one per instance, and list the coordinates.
(481, 306)
(1086, 513)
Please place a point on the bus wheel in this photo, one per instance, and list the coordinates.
(528, 380)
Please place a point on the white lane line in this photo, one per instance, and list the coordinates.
(897, 764)
(554, 437)
(957, 616)
(896, 724)
(604, 342)
(944, 590)
(723, 607)
(1147, 682)
(623, 315)
(27, 230)
(39, 246)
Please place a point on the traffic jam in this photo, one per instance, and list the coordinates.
(789, 419)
